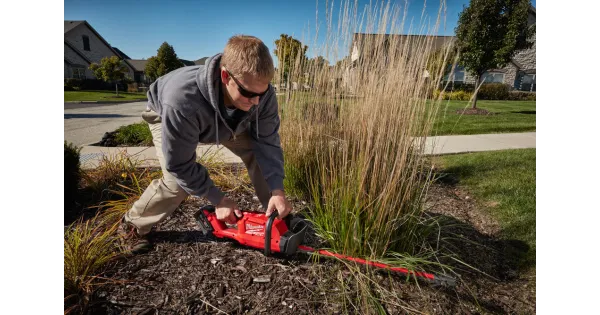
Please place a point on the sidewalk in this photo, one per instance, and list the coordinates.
(91, 155)
(477, 143)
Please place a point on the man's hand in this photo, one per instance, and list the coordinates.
(227, 210)
(279, 202)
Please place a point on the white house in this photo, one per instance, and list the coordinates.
(84, 46)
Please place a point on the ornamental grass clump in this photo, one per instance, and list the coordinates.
(353, 133)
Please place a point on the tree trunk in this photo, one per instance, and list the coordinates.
(477, 86)
(117, 88)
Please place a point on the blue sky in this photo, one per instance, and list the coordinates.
(198, 29)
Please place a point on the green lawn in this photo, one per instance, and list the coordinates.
(503, 182)
(104, 96)
(511, 116)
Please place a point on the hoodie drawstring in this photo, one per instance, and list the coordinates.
(257, 122)
(217, 127)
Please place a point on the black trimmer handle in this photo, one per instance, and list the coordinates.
(268, 229)
(202, 220)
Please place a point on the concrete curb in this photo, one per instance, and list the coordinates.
(105, 102)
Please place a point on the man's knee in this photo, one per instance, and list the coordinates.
(170, 183)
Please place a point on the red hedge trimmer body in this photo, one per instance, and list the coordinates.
(272, 235)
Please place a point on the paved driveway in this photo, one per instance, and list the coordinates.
(87, 124)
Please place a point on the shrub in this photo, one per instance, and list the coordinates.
(72, 176)
(488, 91)
(521, 96)
(69, 88)
(92, 84)
(493, 91)
(457, 86)
(132, 87)
(453, 95)
(134, 134)
(73, 84)
(461, 95)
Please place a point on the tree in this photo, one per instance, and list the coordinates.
(287, 50)
(110, 69)
(314, 67)
(318, 62)
(489, 33)
(164, 62)
(442, 60)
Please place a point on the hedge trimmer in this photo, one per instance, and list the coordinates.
(272, 235)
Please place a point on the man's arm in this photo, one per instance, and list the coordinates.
(180, 134)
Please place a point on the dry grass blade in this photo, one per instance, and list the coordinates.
(225, 176)
(88, 246)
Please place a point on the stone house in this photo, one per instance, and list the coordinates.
(519, 73)
(84, 46)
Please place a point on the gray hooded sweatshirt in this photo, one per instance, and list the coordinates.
(187, 100)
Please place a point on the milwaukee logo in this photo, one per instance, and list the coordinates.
(254, 227)
(257, 230)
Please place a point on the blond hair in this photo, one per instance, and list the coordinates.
(248, 55)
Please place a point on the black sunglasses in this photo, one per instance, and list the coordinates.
(243, 91)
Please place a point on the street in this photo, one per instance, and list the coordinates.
(88, 123)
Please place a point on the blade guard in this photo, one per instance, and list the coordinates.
(255, 230)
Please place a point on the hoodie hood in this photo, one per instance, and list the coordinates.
(208, 79)
(208, 83)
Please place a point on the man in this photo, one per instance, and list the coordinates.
(227, 101)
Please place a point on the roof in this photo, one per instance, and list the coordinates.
(138, 64)
(78, 52)
(121, 54)
(70, 25)
(437, 42)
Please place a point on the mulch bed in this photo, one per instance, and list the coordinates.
(188, 273)
(474, 111)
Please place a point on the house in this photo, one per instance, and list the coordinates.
(84, 46)
(365, 46)
(140, 64)
(519, 73)
(138, 71)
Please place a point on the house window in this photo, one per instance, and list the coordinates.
(493, 77)
(458, 75)
(86, 42)
(528, 82)
(79, 73)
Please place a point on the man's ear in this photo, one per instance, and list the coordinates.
(224, 76)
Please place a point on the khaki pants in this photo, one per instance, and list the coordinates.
(164, 195)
